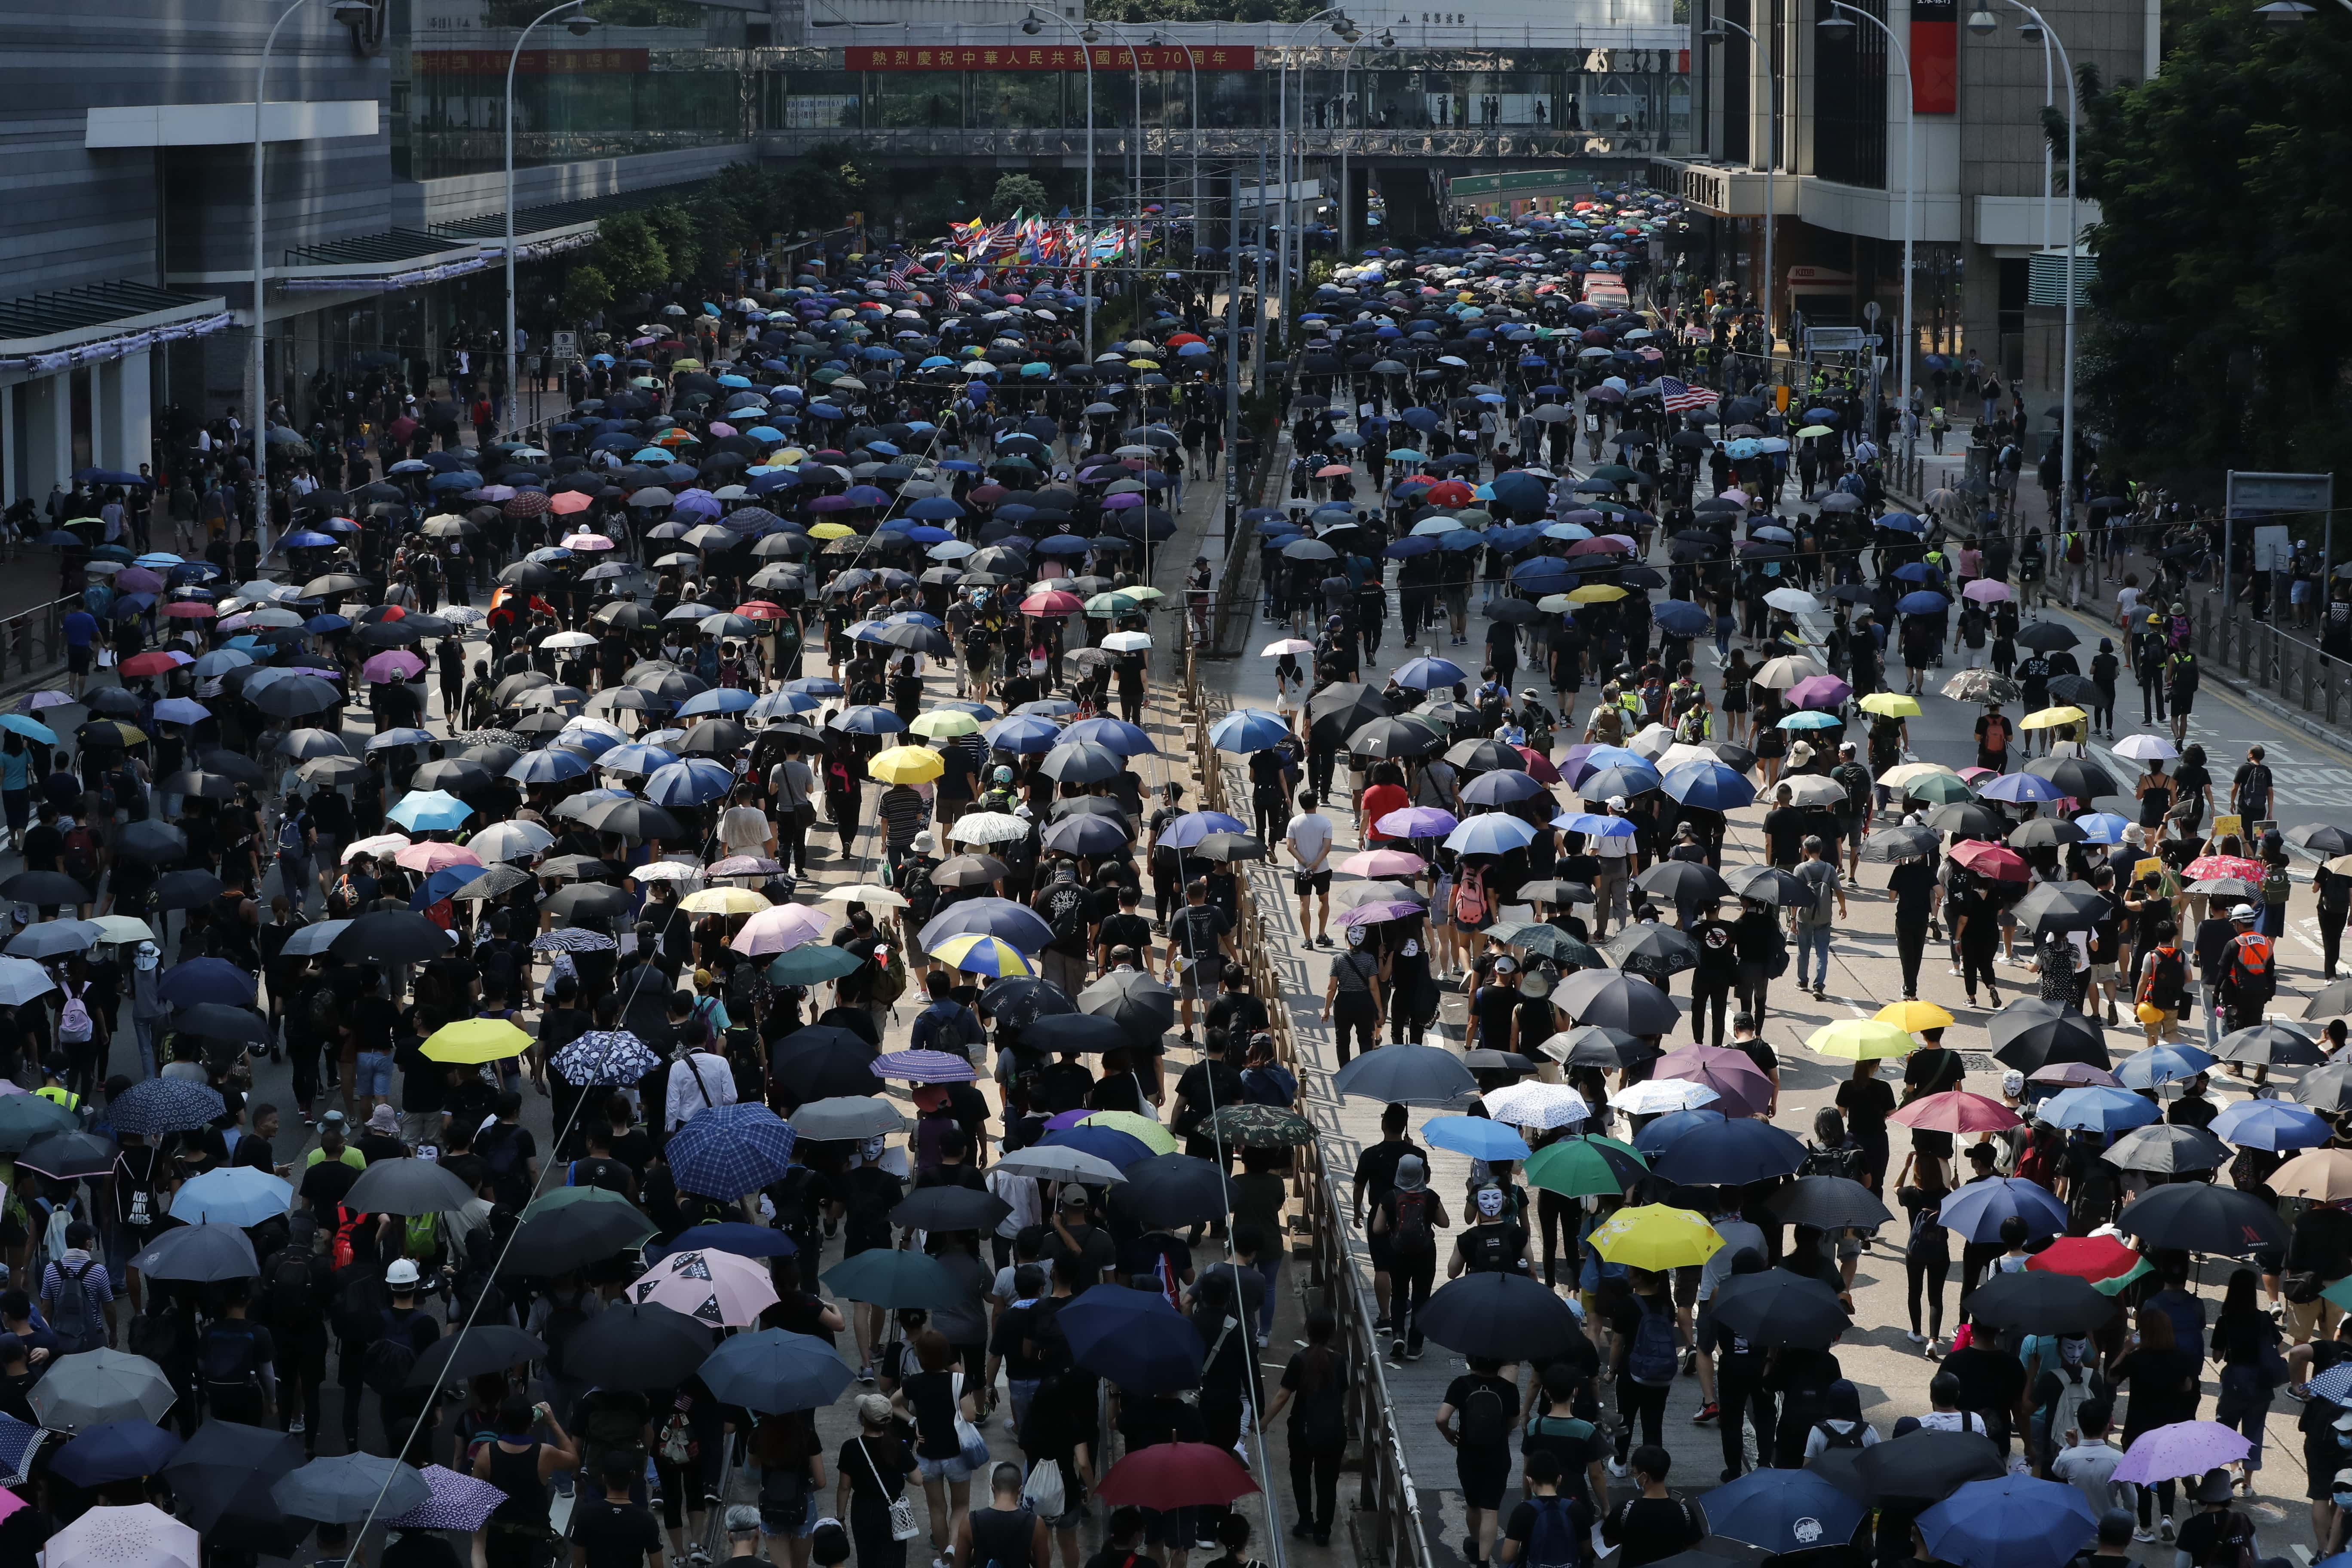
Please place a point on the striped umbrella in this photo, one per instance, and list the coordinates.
(925, 1067)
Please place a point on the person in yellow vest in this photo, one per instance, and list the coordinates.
(53, 1089)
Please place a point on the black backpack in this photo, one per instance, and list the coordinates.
(288, 1294)
(389, 1362)
(230, 1354)
(156, 1336)
(359, 1309)
(561, 1323)
(1485, 1422)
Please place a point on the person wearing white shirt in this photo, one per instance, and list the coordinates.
(1309, 842)
(1739, 1236)
(1615, 852)
(698, 1081)
(745, 830)
(2089, 1461)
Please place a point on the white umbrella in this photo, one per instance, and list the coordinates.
(141, 1536)
(1812, 789)
(2146, 749)
(867, 893)
(988, 828)
(1653, 742)
(1796, 601)
(1656, 1096)
(1538, 1105)
(509, 841)
(1053, 1164)
(21, 980)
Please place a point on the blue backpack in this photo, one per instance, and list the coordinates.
(1553, 1539)
(1653, 1358)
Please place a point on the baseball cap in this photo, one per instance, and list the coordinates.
(1845, 748)
(1616, 803)
(1072, 1195)
(401, 1272)
(1507, 964)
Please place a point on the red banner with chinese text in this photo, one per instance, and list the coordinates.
(1045, 57)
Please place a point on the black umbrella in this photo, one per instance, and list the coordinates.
(2062, 907)
(186, 889)
(226, 1469)
(156, 843)
(823, 1060)
(1082, 762)
(1486, 757)
(215, 1021)
(2077, 776)
(1340, 710)
(639, 1345)
(2167, 1151)
(950, 1208)
(1139, 1004)
(2196, 1217)
(46, 888)
(1774, 1306)
(1084, 1032)
(407, 1186)
(1770, 885)
(2031, 1033)
(1616, 1000)
(2046, 832)
(1023, 999)
(1683, 881)
(1969, 820)
(2278, 1045)
(2046, 637)
(482, 1349)
(389, 936)
(1900, 842)
(1830, 1203)
(1929, 1465)
(1171, 1190)
(1652, 949)
(2321, 838)
(1593, 1045)
(201, 1253)
(635, 819)
(557, 1240)
(2040, 1301)
(969, 871)
(585, 901)
(1505, 1316)
(2329, 1089)
(1397, 736)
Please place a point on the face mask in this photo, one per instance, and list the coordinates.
(873, 1147)
(1490, 1201)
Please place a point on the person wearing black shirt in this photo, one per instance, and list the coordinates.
(1125, 929)
(1194, 957)
(613, 1532)
(1717, 972)
(1868, 1102)
(1477, 1416)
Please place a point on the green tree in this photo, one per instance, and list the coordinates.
(630, 254)
(675, 228)
(1017, 193)
(586, 291)
(2219, 333)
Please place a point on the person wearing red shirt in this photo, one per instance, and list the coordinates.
(1384, 794)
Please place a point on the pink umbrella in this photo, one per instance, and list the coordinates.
(714, 1288)
(189, 610)
(1956, 1112)
(2182, 1448)
(742, 866)
(1976, 776)
(1540, 768)
(1383, 863)
(496, 492)
(1985, 591)
(720, 428)
(393, 664)
(586, 541)
(1739, 1087)
(779, 927)
(1373, 914)
(1819, 691)
(432, 856)
(1734, 494)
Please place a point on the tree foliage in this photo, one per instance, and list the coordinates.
(2219, 330)
(630, 254)
(676, 228)
(1017, 193)
(586, 291)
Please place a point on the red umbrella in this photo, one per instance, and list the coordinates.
(156, 663)
(1994, 860)
(1741, 1089)
(1540, 768)
(1177, 1475)
(2091, 1258)
(1450, 492)
(1956, 1112)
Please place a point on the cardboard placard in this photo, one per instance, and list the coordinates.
(2225, 825)
(2150, 866)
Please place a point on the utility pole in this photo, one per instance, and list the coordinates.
(1233, 526)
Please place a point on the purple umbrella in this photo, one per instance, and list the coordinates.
(1373, 914)
(1819, 691)
(137, 579)
(832, 503)
(2183, 1448)
(925, 1067)
(458, 1502)
(1417, 822)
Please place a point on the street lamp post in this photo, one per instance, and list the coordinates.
(2036, 27)
(1841, 19)
(1346, 192)
(579, 26)
(1033, 24)
(1714, 33)
(258, 409)
(1282, 271)
(1135, 180)
(1193, 68)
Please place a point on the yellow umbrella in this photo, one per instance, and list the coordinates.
(2051, 718)
(1891, 705)
(1812, 430)
(944, 724)
(1143, 595)
(473, 1041)
(1861, 1040)
(1913, 1016)
(982, 953)
(1158, 1137)
(831, 531)
(1656, 1238)
(689, 363)
(1596, 594)
(1143, 365)
(1909, 773)
(723, 902)
(906, 765)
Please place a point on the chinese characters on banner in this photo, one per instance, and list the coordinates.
(1047, 58)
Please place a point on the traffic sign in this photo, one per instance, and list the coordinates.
(567, 346)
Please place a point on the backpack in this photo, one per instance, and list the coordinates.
(156, 1336)
(78, 854)
(288, 1295)
(1485, 1248)
(1470, 895)
(321, 1012)
(2250, 973)
(230, 1355)
(1069, 923)
(1838, 1161)
(1833, 1439)
(1413, 1235)
(1652, 1359)
(677, 1445)
(359, 1310)
(502, 1154)
(1485, 1423)
(1553, 1539)
(73, 1018)
(389, 1362)
(889, 982)
(73, 1316)
(289, 835)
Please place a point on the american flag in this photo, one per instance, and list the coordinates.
(1680, 398)
(900, 276)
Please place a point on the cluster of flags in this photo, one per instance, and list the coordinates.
(1039, 242)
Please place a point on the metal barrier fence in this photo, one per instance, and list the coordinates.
(2262, 655)
(33, 641)
(1387, 1521)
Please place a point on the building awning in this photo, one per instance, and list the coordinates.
(406, 257)
(227, 124)
(49, 332)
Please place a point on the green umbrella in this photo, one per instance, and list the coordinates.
(1586, 1167)
(1940, 789)
(1260, 1127)
(886, 1277)
(570, 1197)
(811, 963)
(25, 1118)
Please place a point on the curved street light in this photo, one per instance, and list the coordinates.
(579, 26)
(1716, 34)
(1034, 24)
(1838, 23)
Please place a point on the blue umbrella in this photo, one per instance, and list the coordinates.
(1134, 1338)
(1194, 825)
(1476, 1137)
(2098, 1108)
(734, 1235)
(115, 1451)
(2020, 788)
(2016, 1522)
(1925, 601)
(1426, 674)
(232, 1195)
(730, 1150)
(636, 758)
(1595, 826)
(2162, 1064)
(1116, 734)
(940, 508)
(1915, 572)
(1023, 733)
(1783, 1510)
(1245, 729)
(773, 1371)
(2102, 826)
(155, 1106)
(443, 883)
(1681, 617)
(1502, 787)
(1976, 1210)
(1003, 918)
(1708, 787)
(1624, 778)
(202, 980)
(1740, 1152)
(1661, 1133)
(2272, 1124)
(718, 700)
(551, 767)
(1121, 1149)
(696, 781)
(867, 718)
(1490, 833)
